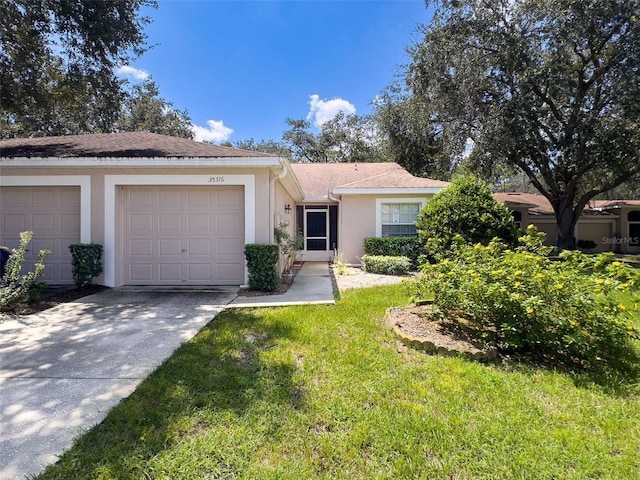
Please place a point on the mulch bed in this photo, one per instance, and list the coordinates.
(417, 328)
(52, 297)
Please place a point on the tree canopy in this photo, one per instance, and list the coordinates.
(548, 86)
(144, 110)
(57, 63)
(344, 138)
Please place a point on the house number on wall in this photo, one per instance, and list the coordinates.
(219, 179)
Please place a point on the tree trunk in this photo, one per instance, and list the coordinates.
(566, 222)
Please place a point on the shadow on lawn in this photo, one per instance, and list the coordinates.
(219, 372)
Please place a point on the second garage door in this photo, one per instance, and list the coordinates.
(177, 235)
(53, 215)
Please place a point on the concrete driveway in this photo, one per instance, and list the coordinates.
(63, 369)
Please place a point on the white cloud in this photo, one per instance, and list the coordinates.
(215, 132)
(322, 111)
(132, 73)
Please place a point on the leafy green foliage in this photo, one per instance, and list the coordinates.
(16, 289)
(261, 262)
(386, 265)
(412, 140)
(410, 247)
(57, 63)
(548, 86)
(344, 138)
(86, 262)
(568, 311)
(468, 209)
(145, 111)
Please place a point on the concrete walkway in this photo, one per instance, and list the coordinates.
(312, 285)
(63, 369)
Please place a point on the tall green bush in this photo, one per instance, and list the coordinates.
(262, 262)
(16, 289)
(468, 209)
(523, 301)
(86, 262)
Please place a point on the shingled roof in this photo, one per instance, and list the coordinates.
(539, 205)
(124, 144)
(317, 179)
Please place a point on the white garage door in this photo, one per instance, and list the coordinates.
(178, 235)
(53, 214)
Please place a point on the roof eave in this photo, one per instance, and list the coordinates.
(387, 191)
(166, 162)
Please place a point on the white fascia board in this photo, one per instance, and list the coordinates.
(316, 199)
(386, 191)
(168, 162)
(290, 181)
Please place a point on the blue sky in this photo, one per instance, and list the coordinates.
(241, 67)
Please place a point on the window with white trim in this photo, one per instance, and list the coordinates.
(399, 219)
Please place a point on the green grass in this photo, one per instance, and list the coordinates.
(324, 392)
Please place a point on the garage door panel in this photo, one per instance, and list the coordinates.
(141, 272)
(200, 199)
(141, 248)
(181, 235)
(200, 246)
(233, 199)
(141, 222)
(229, 246)
(14, 223)
(228, 272)
(170, 272)
(53, 215)
(43, 222)
(169, 222)
(200, 272)
(199, 222)
(172, 246)
(43, 198)
(227, 222)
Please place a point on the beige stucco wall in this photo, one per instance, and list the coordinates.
(357, 221)
(596, 231)
(282, 219)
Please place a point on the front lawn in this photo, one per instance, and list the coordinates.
(326, 392)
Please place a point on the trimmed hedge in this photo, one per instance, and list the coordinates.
(86, 262)
(262, 262)
(386, 265)
(409, 247)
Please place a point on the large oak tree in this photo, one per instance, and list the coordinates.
(57, 61)
(550, 86)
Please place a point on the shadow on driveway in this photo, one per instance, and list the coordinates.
(63, 369)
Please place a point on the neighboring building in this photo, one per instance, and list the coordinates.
(171, 211)
(614, 225)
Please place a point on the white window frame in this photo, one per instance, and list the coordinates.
(379, 201)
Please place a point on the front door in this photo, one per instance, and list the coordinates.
(316, 237)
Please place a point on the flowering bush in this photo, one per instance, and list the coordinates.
(522, 301)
